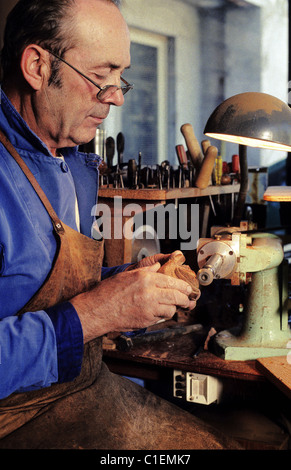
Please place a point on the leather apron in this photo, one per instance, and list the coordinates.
(76, 269)
(97, 410)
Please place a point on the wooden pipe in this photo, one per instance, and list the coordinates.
(204, 176)
(192, 145)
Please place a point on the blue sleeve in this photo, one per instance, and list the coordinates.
(27, 361)
(69, 339)
(41, 348)
(52, 354)
(108, 272)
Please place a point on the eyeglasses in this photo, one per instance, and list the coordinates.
(106, 91)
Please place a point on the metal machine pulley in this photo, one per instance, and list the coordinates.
(216, 260)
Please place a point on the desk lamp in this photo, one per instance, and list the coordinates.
(257, 120)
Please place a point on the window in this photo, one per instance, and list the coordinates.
(143, 119)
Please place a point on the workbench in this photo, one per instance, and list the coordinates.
(253, 408)
(119, 251)
(156, 362)
(149, 361)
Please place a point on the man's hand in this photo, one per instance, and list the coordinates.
(150, 260)
(131, 300)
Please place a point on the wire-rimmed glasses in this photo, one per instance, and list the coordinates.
(106, 91)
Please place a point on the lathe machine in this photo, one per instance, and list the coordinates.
(257, 260)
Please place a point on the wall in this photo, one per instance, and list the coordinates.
(218, 52)
(264, 66)
(5, 7)
(181, 22)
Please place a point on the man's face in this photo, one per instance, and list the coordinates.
(71, 113)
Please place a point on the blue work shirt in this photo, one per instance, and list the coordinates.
(44, 347)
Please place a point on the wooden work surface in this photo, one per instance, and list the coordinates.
(278, 371)
(178, 353)
(149, 194)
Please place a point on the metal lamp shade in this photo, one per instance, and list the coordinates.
(252, 119)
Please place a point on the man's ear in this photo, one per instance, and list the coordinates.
(35, 66)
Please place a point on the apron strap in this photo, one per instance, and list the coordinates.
(9, 147)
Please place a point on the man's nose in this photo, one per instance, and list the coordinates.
(117, 99)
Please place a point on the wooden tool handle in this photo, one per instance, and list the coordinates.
(207, 166)
(120, 147)
(192, 145)
(110, 149)
(205, 144)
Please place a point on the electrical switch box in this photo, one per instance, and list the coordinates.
(196, 388)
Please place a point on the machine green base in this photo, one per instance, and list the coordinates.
(232, 348)
(265, 332)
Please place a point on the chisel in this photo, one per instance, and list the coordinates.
(182, 157)
(110, 149)
(125, 343)
(120, 148)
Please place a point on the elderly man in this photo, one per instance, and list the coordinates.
(62, 65)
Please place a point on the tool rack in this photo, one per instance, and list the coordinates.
(119, 251)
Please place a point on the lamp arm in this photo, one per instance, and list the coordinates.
(244, 182)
